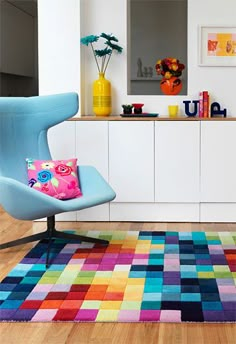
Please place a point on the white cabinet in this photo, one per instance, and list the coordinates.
(131, 160)
(167, 171)
(177, 148)
(218, 161)
(92, 145)
(61, 140)
(17, 40)
(92, 149)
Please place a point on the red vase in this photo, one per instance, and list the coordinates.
(171, 86)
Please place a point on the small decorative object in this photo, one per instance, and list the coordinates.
(140, 70)
(150, 72)
(127, 109)
(194, 111)
(216, 111)
(102, 86)
(171, 69)
(145, 72)
(137, 108)
(173, 110)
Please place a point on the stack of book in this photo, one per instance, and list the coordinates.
(204, 104)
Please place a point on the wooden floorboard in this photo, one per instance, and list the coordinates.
(104, 333)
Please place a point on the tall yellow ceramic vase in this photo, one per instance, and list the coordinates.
(102, 96)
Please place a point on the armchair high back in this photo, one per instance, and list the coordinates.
(24, 123)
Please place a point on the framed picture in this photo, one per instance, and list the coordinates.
(217, 46)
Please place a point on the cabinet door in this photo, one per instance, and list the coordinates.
(177, 146)
(92, 145)
(92, 149)
(218, 161)
(131, 160)
(61, 140)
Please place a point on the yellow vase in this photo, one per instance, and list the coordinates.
(102, 96)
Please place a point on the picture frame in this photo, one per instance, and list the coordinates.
(217, 46)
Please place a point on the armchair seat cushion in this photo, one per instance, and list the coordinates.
(56, 178)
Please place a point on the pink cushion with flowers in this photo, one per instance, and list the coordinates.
(56, 178)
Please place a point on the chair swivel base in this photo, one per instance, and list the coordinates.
(49, 234)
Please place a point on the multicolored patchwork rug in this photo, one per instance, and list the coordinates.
(139, 276)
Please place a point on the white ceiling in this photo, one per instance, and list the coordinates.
(28, 6)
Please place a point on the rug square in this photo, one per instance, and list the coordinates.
(51, 304)
(87, 304)
(56, 295)
(191, 297)
(75, 264)
(112, 288)
(228, 297)
(48, 280)
(31, 304)
(61, 287)
(133, 296)
(24, 314)
(150, 315)
(225, 281)
(107, 315)
(71, 304)
(51, 273)
(86, 315)
(152, 296)
(104, 274)
(170, 316)
(189, 274)
(95, 295)
(171, 288)
(11, 304)
(129, 315)
(97, 287)
(120, 274)
(131, 305)
(212, 306)
(37, 295)
(89, 267)
(112, 305)
(119, 282)
(4, 295)
(143, 261)
(149, 305)
(123, 267)
(172, 268)
(171, 296)
(113, 296)
(65, 315)
(76, 295)
(149, 288)
(101, 280)
(227, 289)
(135, 281)
(83, 280)
(7, 314)
(42, 288)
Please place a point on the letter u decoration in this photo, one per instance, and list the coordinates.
(102, 96)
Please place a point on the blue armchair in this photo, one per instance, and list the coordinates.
(24, 123)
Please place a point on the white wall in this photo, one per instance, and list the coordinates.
(59, 52)
(59, 46)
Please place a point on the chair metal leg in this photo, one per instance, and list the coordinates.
(25, 240)
(50, 234)
(77, 237)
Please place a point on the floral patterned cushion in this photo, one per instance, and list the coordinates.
(56, 178)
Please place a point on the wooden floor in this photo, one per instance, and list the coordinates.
(104, 333)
